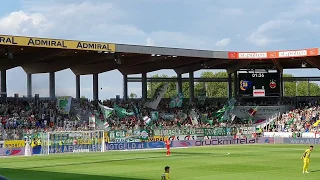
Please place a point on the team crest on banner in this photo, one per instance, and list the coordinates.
(244, 84)
(273, 84)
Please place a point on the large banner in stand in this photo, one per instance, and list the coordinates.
(121, 136)
(264, 112)
(178, 132)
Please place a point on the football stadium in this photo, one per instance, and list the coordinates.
(257, 131)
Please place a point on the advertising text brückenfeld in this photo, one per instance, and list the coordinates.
(225, 141)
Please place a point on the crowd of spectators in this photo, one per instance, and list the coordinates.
(297, 120)
(19, 117)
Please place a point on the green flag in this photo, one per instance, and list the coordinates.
(176, 101)
(154, 115)
(209, 121)
(107, 112)
(121, 112)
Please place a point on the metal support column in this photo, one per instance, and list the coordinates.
(52, 85)
(77, 87)
(229, 86)
(281, 86)
(144, 86)
(191, 87)
(29, 85)
(4, 84)
(308, 87)
(125, 87)
(95, 86)
(235, 84)
(179, 83)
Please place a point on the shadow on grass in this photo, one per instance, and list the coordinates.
(92, 162)
(19, 174)
(183, 153)
(157, 155)
(315, 170)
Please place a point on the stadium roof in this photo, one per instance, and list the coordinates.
(41, 55)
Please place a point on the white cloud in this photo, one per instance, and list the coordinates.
(21, 23)
(249, 22)
(150, 42)
(233, 11)
(277, 31)
(223, 43)
(178, 39)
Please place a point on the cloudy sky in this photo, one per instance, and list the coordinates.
(246, 25)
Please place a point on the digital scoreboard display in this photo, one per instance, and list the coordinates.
(259, 84)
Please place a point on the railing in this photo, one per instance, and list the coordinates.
(265, 123)
(142, 134)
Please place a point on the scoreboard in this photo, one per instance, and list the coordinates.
(259, 84)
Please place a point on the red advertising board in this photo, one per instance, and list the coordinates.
(274, 54)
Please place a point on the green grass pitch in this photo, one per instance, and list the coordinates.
(247, 162)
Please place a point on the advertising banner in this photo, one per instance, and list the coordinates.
(117, 134)
(153, 145)
(73, 148)
(36, 150)
(215, 132)
(158, 138)
(309, 141)
(247, 130)
(14, 144)
(11, 151)
(277, 134)
(1, 144)
(183, 143)
(177, 131)
(270, 140)
(56, 43)
(126, 146)
(310, 135)
(225, 141)
(183, 137)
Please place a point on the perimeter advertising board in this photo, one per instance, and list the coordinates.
(215, 142)
(74, 148)
(134, 145)
(12, 151)
(14, 144)
(309, 141)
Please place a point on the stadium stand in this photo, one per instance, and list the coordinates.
(20, 117)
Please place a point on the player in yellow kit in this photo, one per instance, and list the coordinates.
(165, 175)
(306, 159)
